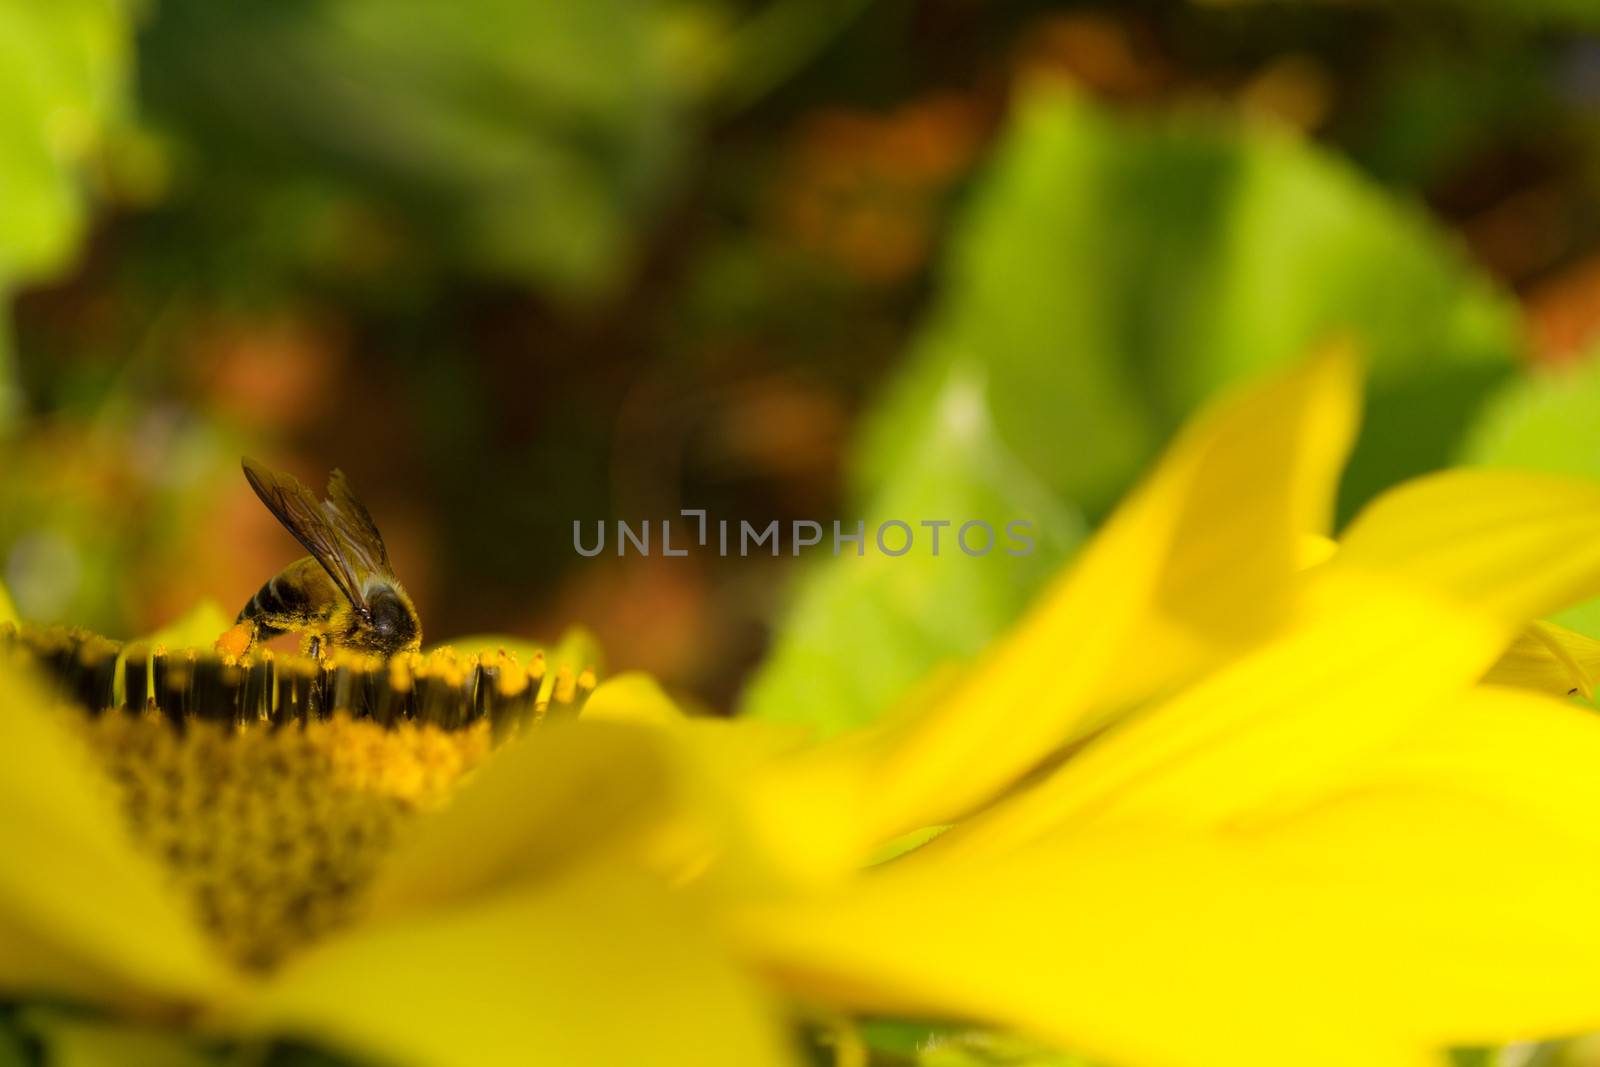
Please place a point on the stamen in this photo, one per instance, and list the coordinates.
(443, 689)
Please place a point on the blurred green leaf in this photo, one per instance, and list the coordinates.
(73, 1039)
(919, 1043)
(1109, 278)
(16, 1047)
(981, 1048)
(1548, 420)
(1112, 276)
(62, 72)
(63, 68)
(528, 140)
(865, 628)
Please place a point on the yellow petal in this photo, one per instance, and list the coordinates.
(1412, 608)
(1441, 893)
(1316, 549)
(1200, 560)
(199, 627)
(545, 800)
(1465, 863)
(1516, 545)
(594, 967)
(633, 697)
(1549, 659)
(82, 914)
(1137, 948)
(1363, 667)
(8, 610)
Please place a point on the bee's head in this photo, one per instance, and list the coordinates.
(391, 623)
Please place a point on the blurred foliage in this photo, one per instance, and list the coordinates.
(1111, 277)
(896, 1043)
(1108, 279)
(62, 72)
(63, 68)
(515, 265)
(71, 1039)
(1580, 13)
(1546, 421)
(526, 141)
(865, 629)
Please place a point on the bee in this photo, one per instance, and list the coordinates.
(343, 595)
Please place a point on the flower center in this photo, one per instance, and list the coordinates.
(271, 834)
(270, 788)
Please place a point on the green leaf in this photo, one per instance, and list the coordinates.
(961, 1046)
(1109, 277)
(16, 1047)
(72, 1039)
(525, 141)
(865, 628)
(1113, 275)
(62, 71)
(1547, 420)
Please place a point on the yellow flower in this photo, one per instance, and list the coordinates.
(248, 878)
(1223, 798)
(1209, 806)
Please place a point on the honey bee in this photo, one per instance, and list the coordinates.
(343, 595)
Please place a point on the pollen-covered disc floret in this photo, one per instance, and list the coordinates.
(271, 787)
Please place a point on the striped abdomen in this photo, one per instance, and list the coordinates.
(300, 597)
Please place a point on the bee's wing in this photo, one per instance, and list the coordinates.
(303, 515)
(353, 522)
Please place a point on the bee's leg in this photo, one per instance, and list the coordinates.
(313, 647)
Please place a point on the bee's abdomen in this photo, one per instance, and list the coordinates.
(282, 604)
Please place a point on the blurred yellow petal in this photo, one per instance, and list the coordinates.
(199, 627)
(82, 913)
(1200, 560)
(543, 802)
(1315, 549)
(595, 966)
(1549, 659)
(1464, 864)
(1440, 894)
(1516, 545)
(1277, 724)
(8, 610)
(1391, 628)
(633, 697)
(1136, 947)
